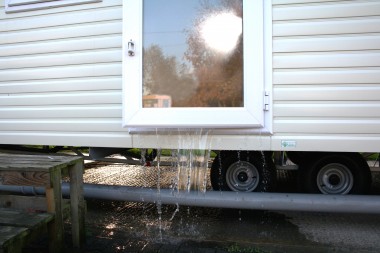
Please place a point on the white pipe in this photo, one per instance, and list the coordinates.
(218, 199)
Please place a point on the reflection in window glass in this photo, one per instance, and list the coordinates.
(193, 53)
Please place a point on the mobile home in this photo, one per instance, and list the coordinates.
(300, 76)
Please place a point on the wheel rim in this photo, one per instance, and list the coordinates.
(335, 178)
(242, 176)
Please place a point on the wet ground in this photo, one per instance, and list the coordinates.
(115, 226)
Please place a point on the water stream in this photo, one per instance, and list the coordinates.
(190, 161)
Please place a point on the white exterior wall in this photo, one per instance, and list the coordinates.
(60, 78)
(326, 74)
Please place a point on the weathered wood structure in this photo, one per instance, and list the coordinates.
(45, 171)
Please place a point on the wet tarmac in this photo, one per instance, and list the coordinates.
(115, 226)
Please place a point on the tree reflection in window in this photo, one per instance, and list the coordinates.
(207, 70)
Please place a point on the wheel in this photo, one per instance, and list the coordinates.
(243, 171)
(336, 173)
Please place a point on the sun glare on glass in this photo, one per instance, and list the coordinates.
(221, 32)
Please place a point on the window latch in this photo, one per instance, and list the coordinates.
(266, 101)
(131, 48)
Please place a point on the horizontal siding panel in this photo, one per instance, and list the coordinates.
(71, 45)
(90, 125)
(327, 27)
(81, 7)
(56, 33)
(103, 56)
(87, 84)
(323, 126)
(335, 76)
(327, 93)
(92, 70)
(42, 112)
(327, 60)
(329, 142)
(328, 10)
(328, 43)
(327, 110)
(83, 98)
(60, 19)
(79, 138)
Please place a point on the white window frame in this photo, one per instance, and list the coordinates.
(257, 26)
(13, 6)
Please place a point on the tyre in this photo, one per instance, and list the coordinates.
(336, 173)
(243, 171)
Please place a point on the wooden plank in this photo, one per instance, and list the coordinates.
(31, 203)
(28, 203)
(45, 159)
(12, 239)
(54, 205)
(18, 218)
(34, 163)
(25, 178)
(78, 205)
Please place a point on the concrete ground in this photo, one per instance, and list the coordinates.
(115, 226)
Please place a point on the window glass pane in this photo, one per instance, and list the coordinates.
(193, 53)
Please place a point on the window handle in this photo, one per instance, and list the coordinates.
(131, 48)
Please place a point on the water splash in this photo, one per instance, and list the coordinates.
(159, 202)
(189, 161)
(266, 176)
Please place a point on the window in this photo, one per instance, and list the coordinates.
(30, 5)
(206, 57)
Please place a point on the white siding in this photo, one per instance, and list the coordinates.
(60, 76)
(326, 74)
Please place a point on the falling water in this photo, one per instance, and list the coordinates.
(193, 157)
(159, 202)
(190, 163)
(265, 174)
